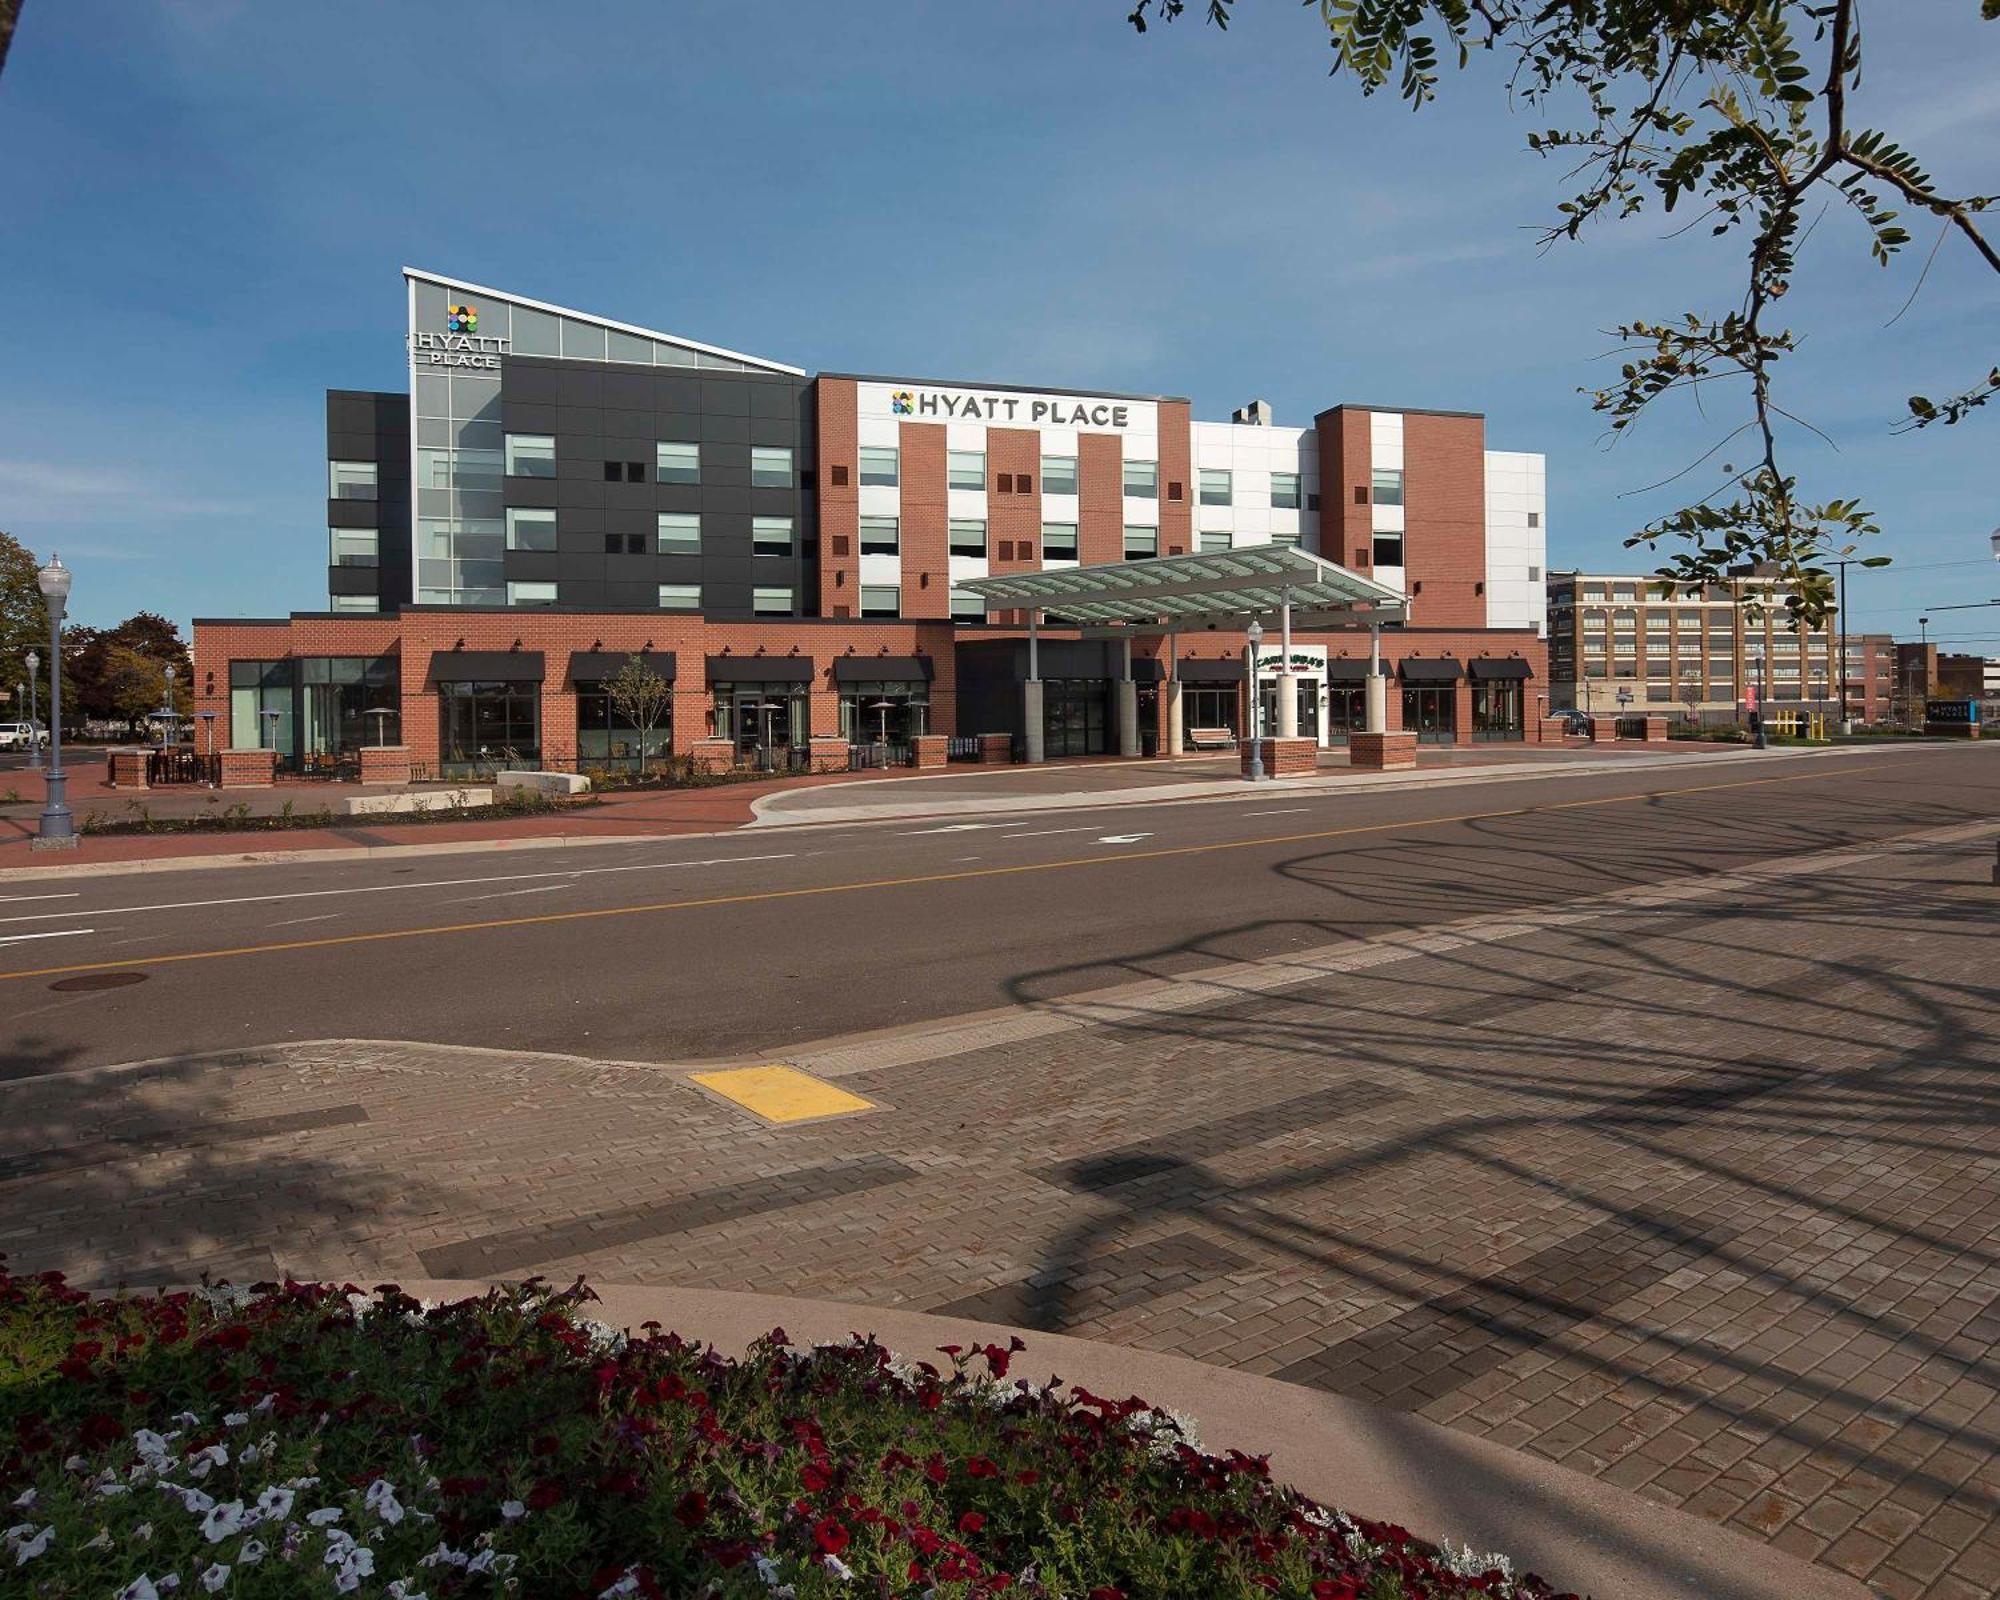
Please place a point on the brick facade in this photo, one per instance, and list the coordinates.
(1100, 498)
(838, 446)
(1013, 519)
(1176, 467)
(924, 530)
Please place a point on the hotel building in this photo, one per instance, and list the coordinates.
(556, 491)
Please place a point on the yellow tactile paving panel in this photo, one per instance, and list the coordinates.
(781, 1094)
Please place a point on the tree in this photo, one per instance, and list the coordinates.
(641, 697)
(24, 620)
(10, 14)
(98, 680)
(1741, 106)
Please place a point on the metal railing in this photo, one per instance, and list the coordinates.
(962, 749)
(165, 768)
(878, 756)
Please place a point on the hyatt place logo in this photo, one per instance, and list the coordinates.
(902, 403)
(463, 319)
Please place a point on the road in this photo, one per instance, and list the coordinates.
(716, 946)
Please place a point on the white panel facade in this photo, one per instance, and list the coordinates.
(1516, 540)
(1250, 454)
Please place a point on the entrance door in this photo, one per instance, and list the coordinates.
(1073, 717)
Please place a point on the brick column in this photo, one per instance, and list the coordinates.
(996, 748)
(930, 750)
(385, 763)
(127, 768)
(1381, 752)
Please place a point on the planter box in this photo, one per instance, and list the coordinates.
(380, 805)
(1382, 752)
(1282, 758)
(557, 783)
(1551, 730)
(827, 753)
(930, 750)
(249, 769)
(712, 755)
(996, 748)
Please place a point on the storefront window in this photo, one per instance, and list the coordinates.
(1496, 711)
(888, 713)
(260, 705)
(1210, 705)
(348, 702)
(485, 726)
(750, 714)
(1430, 711)
(605, 738)
(1346, 711)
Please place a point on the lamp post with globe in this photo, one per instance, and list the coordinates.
(34, 735)
(58, 827)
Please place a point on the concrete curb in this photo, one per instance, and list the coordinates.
(1440, 1483)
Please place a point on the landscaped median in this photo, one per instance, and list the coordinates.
(313, 1439)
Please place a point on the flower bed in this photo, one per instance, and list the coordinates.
(313, 1440)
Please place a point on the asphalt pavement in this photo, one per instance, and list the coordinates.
(713, 947)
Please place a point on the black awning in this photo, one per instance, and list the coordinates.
(880, 669)
(1148, 669)
(1344, 669)
(1495, 669)
(760, 669)
(487, 666)
(1431, 669)
(594, 666)
(1229, 669)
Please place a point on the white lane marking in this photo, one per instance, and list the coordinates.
(509, 894)
(1043, 833)
(1289, 811)
(293, 922)
(385, 888)
(1122, 838)
(11, 899)
(65, 933)
(951, 827)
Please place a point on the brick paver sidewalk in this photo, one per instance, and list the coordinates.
(1691, 1189)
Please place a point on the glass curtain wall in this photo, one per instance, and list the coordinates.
(260, 706)
(605, 738)
(486, 726)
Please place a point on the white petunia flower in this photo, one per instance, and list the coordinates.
(187, 1419)
(252, 1552)
(381, 1499)
(202, 1462)
(251, 1455)
(840, 1569)
(223, 1522)
(629, 1584)
(235, 1419)
(143, 1532)
(400, 1589)
(215, 1577)
(101, 1542)
(321, 1517)
(25, 1501)
(140, 1588)
(276, 1504)
(26, 1548)
(150, 1445)
(513, 1510)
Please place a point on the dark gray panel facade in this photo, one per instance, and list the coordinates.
(362, 425)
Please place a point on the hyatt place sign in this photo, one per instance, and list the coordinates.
(1005, 408)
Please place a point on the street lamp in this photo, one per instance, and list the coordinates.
(34, 738)
(169, 722)
(1255, 634)
(58, 827)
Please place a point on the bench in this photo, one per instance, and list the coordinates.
(1210, 739)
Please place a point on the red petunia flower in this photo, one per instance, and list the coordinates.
(544, 1494)
(1335, 1589)
(981, 1467)
(1105, 1591)
(971, 1522)
(830, 1536)
(815, 1477)
(691, 1510)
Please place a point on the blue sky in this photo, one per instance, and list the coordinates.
(206, 205)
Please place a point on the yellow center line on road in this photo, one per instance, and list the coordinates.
(1117, 857)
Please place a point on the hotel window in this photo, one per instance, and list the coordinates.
(1290, 538)
(968, 536)
(1388, 550)
(1059, 475)
(680, 597)
(879, 466)
(1215, 487)
(531, 455)
(880, 600)
(352, 547)
(1213, 541)
(677, 463)
(1059, 541)
(531, 594)
(771, 602)
(1141, 542)
(771, 536)
(770, 468)
(356, 602)
(1284, 491)
(963, 469)
(1142, 480)
(880, 536)
(351, 480)
(530, 530)
(966, 607)
(680, 533)
(1388, 486)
